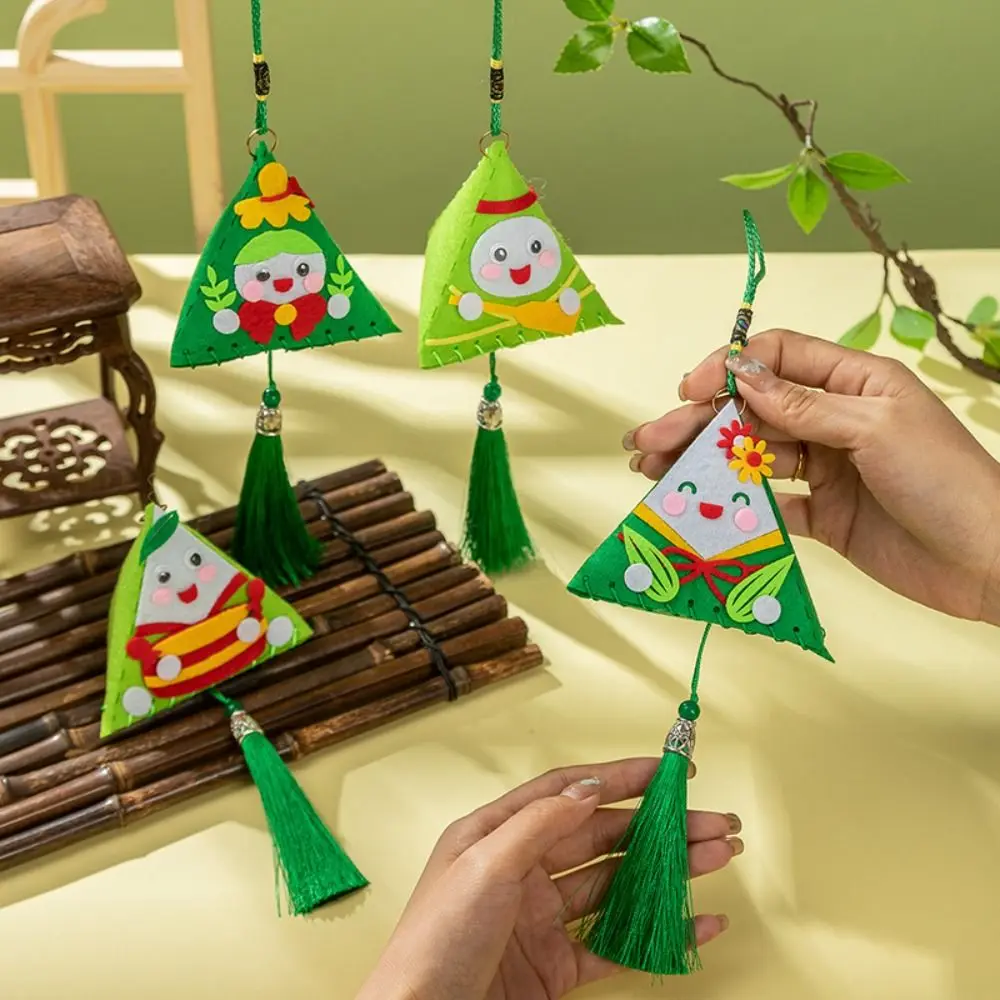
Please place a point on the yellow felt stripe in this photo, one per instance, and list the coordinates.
(658, 524)
(768, 541)
(205, 666)
(202, 633)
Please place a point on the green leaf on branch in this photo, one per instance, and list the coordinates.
(591, 10)
(984, 311)
(589, 49)
(765, 179)
(862, 336)
(655, 45)
(991, 353)
(912, 327)
(864, 172)
(807, 199)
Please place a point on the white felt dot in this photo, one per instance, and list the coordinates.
(226, 321)
(168, 667)
(738, 441)
(569, 301)
(137, 701)
(638, 577)
(280, 631)
(766, 609)
(338, 306)
(248, 630)
(470, 306)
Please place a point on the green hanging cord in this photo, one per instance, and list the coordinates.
(496, 70)
(756, 269)
(261, 72)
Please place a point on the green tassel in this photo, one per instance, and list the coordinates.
(496, 536)
(271, 539)
(646, 918)
(309, 861)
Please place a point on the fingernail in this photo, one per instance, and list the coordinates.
(749, 367)
(582, 789)
(680, 388)
(692, 769)
(635, 461)
(628, 441)
(737, 845)
(735, 823)
(723, 921)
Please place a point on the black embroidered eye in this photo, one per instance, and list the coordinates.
(740, 496)
(194, 559)
(302, 269)
(535, 246)
(691, 488)
(263, 275)
(499, 254)
(163, 576)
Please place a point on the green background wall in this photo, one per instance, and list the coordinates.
(379, 105)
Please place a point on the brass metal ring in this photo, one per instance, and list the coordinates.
(268, 136)
(725, 394)
(504, 137)
(800, 467)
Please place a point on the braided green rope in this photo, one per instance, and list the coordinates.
(497, 63)
(756, 269)
(258, 52)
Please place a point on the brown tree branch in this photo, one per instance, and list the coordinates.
(919, 284)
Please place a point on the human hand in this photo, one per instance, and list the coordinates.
(897, 484)
(487, 920)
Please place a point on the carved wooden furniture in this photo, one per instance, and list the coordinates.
(38, 74)
(65, 291)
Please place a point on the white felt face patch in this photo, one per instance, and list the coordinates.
(712, 506)
(518, 256)
(181, 581)
(281, 278)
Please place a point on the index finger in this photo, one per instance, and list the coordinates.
(798, 358)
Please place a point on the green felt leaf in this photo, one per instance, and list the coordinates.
(214, 305)
(159, 534)
(591, 10)
(984, 311)
(221, 286)
(208, 291)
(641, 550)
(864, 172)
(765, 179)
(655, 45)
(766, 582)
(227, 300)
(341, 263)
(912, 327)
(862, 335)
(589, 49)
(349, 291)
(808, 197)
(210, 273)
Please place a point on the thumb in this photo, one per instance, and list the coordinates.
(520, 843)
(804, 414)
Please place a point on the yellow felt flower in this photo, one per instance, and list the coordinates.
(752, 460)
(280, 197)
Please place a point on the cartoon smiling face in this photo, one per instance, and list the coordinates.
(181, 581)
(283, 278)
(516, 257)
(707, 502)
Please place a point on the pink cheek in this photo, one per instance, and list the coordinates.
(313, 282)
(674, 504)
(547, 258)
(162, 595)
(253, 291)
(746, 519)
(491, 271)
(207, 574)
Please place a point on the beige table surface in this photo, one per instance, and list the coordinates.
(869, 789)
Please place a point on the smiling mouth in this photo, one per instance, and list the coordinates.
(712, 511)
(520, 275)
(189, 594)
(283, 284)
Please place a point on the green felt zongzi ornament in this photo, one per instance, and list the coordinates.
(186, 618)
(271, 278)
(708, 543)
(497, 274)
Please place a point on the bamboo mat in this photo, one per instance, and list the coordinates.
(367, 665)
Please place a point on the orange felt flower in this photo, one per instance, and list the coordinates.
(280, 198)
(752, 460)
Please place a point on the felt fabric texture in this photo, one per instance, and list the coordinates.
(708, 542)
(272, 278)
(497, 273)
(185, 617)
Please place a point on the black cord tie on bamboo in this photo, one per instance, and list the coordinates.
(416, 623)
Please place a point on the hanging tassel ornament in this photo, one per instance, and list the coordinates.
(271, 538)
(311, 865)
(497, 275)
(496, 536)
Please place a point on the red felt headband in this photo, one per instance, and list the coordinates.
(509, 206)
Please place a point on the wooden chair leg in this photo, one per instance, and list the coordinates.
(107, 381)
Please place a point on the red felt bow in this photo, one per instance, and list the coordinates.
(257, 318)
(728, 570)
